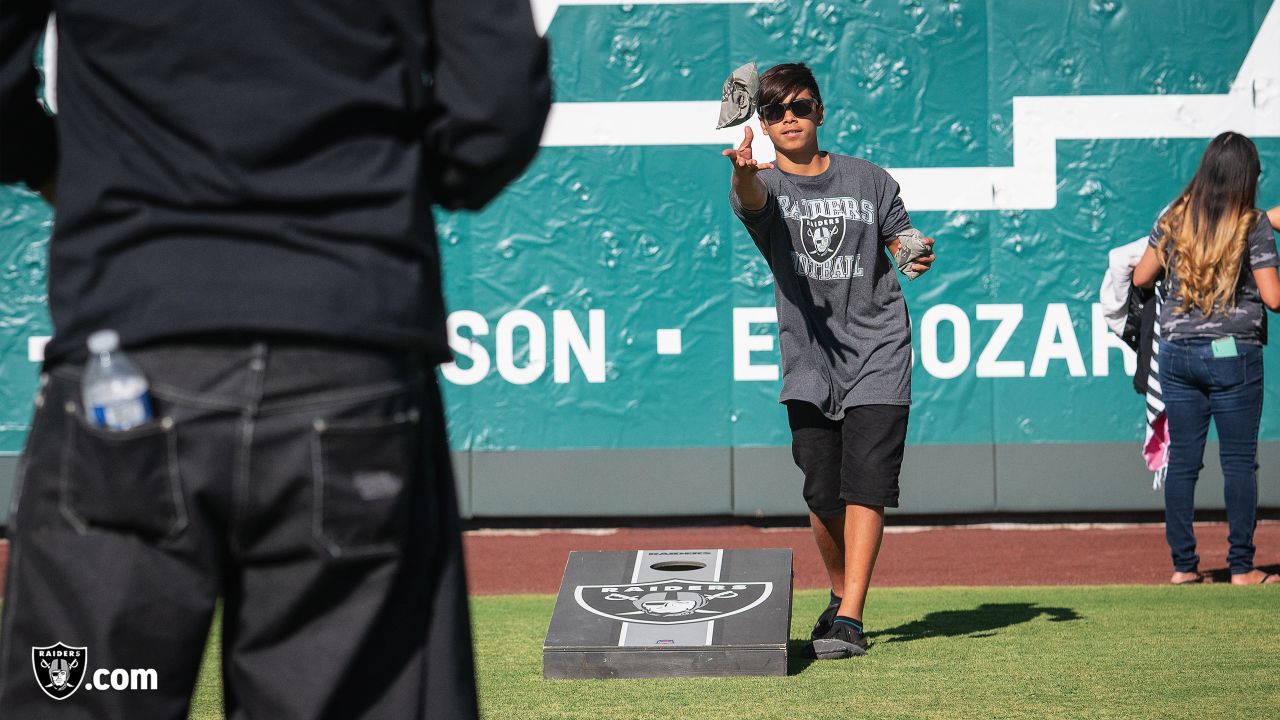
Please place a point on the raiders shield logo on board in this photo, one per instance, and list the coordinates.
(671, 602)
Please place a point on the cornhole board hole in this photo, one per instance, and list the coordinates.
(662, 613)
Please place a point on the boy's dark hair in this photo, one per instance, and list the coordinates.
(781, 81)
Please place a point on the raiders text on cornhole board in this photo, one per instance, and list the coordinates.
(654, 613)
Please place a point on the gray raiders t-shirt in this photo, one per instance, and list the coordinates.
(842, 321)
(1246, 320)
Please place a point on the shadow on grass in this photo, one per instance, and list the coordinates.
(982, 621)
(1223, 575)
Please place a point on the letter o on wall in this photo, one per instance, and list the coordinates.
(959, 361)
(537, 363)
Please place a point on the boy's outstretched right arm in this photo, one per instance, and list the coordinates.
(750, 189)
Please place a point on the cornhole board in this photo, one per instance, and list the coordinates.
(664, 613)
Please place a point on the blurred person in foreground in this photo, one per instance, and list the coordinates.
(824, 221)
(1217, 255)
(243, 192)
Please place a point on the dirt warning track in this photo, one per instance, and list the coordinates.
(503, 562)
(532, 561)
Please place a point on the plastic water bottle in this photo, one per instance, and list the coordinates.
(116, 395)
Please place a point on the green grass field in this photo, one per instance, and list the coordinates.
(1050, 652)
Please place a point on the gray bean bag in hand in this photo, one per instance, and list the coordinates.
(739, 95)
(911, 247)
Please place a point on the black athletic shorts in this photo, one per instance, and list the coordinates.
(854, 460)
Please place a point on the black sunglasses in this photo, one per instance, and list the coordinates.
(802, 108)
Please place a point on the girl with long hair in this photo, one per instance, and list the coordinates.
(1217, 254)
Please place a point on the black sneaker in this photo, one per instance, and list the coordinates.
(823, 626)
(841, 641)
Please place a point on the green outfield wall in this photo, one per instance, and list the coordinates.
(613, 325)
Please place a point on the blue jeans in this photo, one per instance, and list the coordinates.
(1196, 386)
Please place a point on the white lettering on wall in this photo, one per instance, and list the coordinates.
(989, 362)
(520, 347)
(1057, 342)
(745, 343)
(568, 339)
(1103, 342)
(959, 322)
(467, 347)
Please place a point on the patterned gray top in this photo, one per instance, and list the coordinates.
(1246, 320)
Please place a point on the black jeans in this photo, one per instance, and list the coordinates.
(307, 486)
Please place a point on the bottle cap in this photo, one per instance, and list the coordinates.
(104, 341)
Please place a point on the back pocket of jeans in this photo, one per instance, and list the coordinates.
(122, 480)
(360, 473)
(1226, 371)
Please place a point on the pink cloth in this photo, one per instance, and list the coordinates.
(1156, 448)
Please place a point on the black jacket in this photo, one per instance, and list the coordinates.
(1139, 332)
(265, 167)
